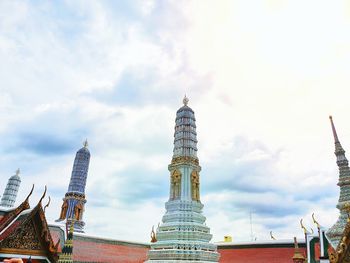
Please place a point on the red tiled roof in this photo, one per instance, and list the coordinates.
(57, 234)
(257, 255)
(100, 250)
(88, 249)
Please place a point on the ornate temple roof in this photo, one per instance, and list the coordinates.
(24, 231)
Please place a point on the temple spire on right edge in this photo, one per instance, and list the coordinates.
(334, 234)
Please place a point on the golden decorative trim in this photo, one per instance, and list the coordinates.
(195, 186)
(341, 253)
(184, 159)
(22, 251)
(175, 185)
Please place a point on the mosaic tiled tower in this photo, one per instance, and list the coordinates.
(336, 231)
(11, 190)
(74, 200)
(183, 235)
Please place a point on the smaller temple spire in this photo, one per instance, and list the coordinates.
(74, 200)
(10, 194)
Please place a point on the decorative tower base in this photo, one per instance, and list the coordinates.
(183, 235)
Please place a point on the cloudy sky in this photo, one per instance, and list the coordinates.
(262, 78)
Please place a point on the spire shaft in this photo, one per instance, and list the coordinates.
(335, 135)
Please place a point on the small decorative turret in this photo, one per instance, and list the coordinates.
(74, 200)
(67, 251)
(335, 232)
(11, 190)
(298, 256)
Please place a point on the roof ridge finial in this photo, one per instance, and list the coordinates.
(47, 205)
(44, 194)
(86, 144)
(335, 135)
(315, 222)
(295, 243)
(185, 100)
(272, 236)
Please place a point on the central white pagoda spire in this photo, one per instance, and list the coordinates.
(183, 235)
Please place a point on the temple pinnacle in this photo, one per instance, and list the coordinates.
(18, 171)
(86, 144)
(185, 100)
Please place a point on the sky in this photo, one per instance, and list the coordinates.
(262, 77)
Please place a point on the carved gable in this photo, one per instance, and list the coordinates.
(24, 237)
(29, 235)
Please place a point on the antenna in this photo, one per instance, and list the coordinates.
(251, 226)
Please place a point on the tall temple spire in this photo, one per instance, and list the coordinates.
(10, 194)
(335, 232)
(183, 235)
(74, 200)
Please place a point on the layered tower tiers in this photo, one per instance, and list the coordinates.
(336, 231)
(183, 235)
(11, 190)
